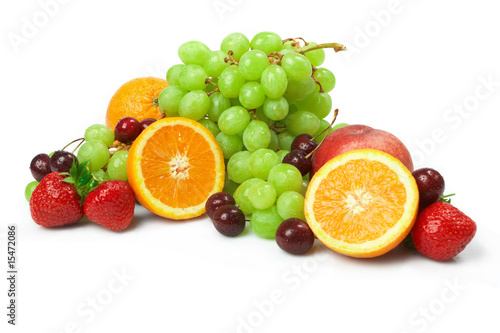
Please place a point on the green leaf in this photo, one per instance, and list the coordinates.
(73, 170)
(93, 183)
(83, 180)
(69, 180)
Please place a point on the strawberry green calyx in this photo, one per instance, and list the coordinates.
(82, 179)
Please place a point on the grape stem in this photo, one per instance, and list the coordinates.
(316, 80)
(335, 46)
(297, 44)
(335, 114)
(230, 58)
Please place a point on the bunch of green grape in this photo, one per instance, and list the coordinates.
(255, 97)
(105, 164)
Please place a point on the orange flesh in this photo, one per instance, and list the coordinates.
(176, 166)
(356, 208)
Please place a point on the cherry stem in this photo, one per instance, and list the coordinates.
(69, 144)
(335, 46)
(335, 114)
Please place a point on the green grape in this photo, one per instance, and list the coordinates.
(302, 122)
(275, 109)
(281, 154)
(218, 104)
(305, 185)
(290, 45)
(100, 133)
(101, 175)
(117, 166)
(215, 63)
(94, 151)
(230, 186)
(28, 191)
(265, 222)
(316, 57)
(241, 195)
(285, 177)
(262, 161)
(274, 81)
(194, 105)
(296, 66)
(259, 112)
(285, 140)
(238, 167)
(262, 195)
(267, 42)
(257, 135)
(274, 144)
(292, 107)
(339, 125)
(323, 125)
(299, 90)
(211, 87)
(325, 78)
(170, 98)
(251, 95)
(193, 52)
(236, 42)
(291, 204)
(318, 103)
(234, 120)
(173, 74)
(229, 144)
(252, 64)
(193, 77)
(211, 126)
(230, 82)
(235, 102)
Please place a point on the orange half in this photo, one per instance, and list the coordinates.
(174, 166)
(362, 203)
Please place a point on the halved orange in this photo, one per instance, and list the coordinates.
(362, 203)
(174, 166)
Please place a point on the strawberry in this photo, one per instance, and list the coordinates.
(55, 202)
(442, 231)
(111, 205)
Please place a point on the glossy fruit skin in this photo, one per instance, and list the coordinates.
(298, 158)
(127, 129)
(430, 186)
(217, 200)
(40, 166)
(304, 142)
(136, 98)
(146, 122)
(294, 236)
(442, 231)
(61, 161)
(229, 220)
(111, 205)
(354, 137)
(55, 203)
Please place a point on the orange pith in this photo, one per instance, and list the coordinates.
(174, 166)
(362, 203)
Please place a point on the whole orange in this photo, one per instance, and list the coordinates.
(137, 98)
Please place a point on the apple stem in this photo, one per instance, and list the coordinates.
(335, 114)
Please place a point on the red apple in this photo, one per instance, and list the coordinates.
(354, 137)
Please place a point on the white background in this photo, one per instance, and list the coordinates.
(407, 72)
